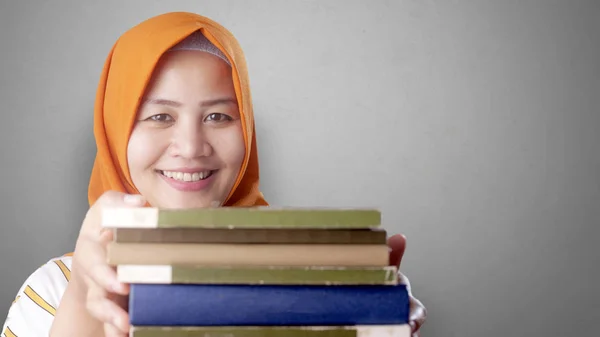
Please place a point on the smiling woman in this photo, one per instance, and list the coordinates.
(190, 116)
(174, 128)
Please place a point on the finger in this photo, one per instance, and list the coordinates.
(397, 244)
(111, 331)
(116, 200)
(92, 222)
(417, 311)
(107, 311)
(96, 268)
(93, 303)
(113, 198)
(413, 328)
(106, 236)
(418, 314)
(121, 301)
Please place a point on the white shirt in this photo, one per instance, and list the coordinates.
(32, 312)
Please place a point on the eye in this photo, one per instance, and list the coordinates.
(218, 117)
(160, 118)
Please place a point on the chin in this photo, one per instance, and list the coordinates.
(185, 200)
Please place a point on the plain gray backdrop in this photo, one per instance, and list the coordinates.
(471, 124)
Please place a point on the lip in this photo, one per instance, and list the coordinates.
(189, 186)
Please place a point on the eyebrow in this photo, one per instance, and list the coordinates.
(203, 104)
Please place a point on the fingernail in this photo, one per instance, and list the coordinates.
(117, 322)
(117, 287)
(133, 199)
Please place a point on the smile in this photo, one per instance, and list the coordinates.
(187, 176)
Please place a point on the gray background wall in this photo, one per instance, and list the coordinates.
(471, 124)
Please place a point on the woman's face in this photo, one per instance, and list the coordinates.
(187, 146)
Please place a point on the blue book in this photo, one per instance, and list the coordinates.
(266, 305)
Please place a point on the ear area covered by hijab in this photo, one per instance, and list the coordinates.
(125, 75)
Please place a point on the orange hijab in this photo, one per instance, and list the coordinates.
(123, 81)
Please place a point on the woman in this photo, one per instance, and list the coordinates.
(174, 128)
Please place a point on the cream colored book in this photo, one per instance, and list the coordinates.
(283, 275)
(248, 254)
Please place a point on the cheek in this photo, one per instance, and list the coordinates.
(230, 147)
(142, 151)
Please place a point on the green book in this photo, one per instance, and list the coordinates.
(240, 217)
(402, 330)
(274, 275)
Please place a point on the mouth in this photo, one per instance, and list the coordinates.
(187, 176)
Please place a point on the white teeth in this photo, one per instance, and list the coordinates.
(188, 177)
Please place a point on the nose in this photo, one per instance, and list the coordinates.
(189, 140)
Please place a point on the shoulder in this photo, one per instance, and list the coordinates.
(33, 309)
(49, 280)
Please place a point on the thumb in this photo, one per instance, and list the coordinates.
(397, 244)
(92, 226)
(119, 199)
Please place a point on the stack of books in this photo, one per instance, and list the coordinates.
(257, 272)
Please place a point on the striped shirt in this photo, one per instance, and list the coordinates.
(32, 312)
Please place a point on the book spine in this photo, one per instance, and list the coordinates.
(248, 254)
(402, 330)
(245, 305)
(180, 274)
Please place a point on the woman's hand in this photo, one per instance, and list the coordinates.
(418, 313)
(106, 297)
(95, 302)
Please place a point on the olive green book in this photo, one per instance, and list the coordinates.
(241, 217)
(402, 330)
(273, 275)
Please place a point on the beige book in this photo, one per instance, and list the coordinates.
(248, 254)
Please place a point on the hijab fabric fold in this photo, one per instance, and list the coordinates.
(124, 78)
